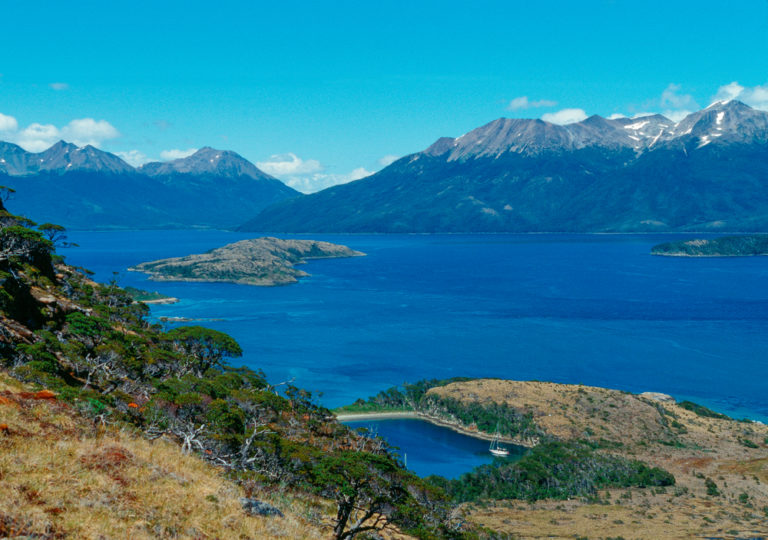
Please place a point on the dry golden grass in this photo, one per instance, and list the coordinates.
(696, 448)
(61, 477)
(646, 516)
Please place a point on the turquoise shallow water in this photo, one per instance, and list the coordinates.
(591, 309)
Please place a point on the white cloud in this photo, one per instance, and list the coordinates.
(8, 123)
(616, 116)
(672, 99)
(523, 102)
(170, 155)
(134, 157)
(678, 115)
(388, 160)
(729, 91)
(755, 96)
(59, 86)
(37, 137)
(308, 175)
(675, 105)
(84, 131)
(315, 182)
(357, 174)
(288, 165)
(565, 116)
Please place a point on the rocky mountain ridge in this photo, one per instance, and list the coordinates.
(733, 120)
(64, 157)
(88, 188)
(707, 173)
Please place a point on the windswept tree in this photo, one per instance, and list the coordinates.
(56, 234)
(367, 488)
(5, 194)
(205, 348)
(17, 240)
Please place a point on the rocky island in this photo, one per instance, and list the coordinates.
(260, 261)
(748, 245)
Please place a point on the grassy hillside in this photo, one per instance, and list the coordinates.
(63, 477)
(719, 465)
(129, 391)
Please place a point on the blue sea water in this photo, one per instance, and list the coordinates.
(428, 449)
(590, 309)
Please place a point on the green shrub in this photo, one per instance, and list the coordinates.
(701, 410)
(558, 470)
(711, 487)
(749, 443)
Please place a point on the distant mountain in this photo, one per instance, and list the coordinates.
(707, 172)
(87, 188)
(62, 157)
(13, 159)
(207, 160)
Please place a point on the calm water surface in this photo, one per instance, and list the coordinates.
(429, 449)
(591, 309)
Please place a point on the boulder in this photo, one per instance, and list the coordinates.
(253, 507)
(658, 396)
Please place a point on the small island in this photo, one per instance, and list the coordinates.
(264, 262)
(749, 245)
(149, 297)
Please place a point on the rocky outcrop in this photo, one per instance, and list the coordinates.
(252, 507)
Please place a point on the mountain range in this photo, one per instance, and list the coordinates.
(87, 188)
(707, 172)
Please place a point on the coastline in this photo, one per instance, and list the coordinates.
(169, 300)
(707, 256)
(357, 417)
(243, 281)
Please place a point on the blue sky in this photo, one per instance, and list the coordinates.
(321, 92)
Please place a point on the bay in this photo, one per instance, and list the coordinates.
(428, 449)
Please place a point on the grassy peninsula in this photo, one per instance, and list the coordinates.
(726, 246)
(261, 261)
(603, 462)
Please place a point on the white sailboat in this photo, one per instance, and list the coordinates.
(496, 449)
